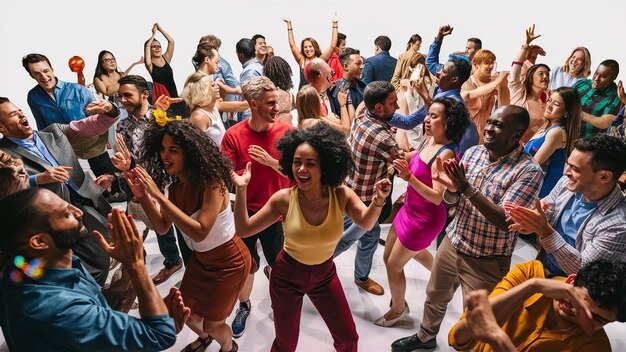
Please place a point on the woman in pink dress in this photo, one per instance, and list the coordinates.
(423, 215)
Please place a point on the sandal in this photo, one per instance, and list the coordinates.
(235, 347)
(203, 344)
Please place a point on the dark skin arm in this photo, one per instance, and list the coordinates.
(455, 181)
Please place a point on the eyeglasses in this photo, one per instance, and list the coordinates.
(109, 60)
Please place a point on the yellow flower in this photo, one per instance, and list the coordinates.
(178, 117)
(160, 117)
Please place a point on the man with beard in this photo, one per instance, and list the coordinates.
(50, 161)
(374, 150)
(51, 303)
(133, 94)
(476, 254)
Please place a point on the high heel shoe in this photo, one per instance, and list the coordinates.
(389, 323)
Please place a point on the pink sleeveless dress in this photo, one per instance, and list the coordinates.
(419, 220)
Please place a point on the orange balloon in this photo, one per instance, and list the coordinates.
(76, 63)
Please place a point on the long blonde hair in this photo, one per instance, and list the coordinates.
(586, 70)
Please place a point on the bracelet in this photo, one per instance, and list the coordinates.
(343, 106)
(289, 29)
(517, 63)
(335, 26)
(470, 192)
(376, 205)
(524, 46)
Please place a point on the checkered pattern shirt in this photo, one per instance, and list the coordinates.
(515, 178)
(596, 103)
(374, 148)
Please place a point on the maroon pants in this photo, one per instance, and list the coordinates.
(289, 282)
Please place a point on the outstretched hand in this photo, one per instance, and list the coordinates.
(122, 158)
(527, 220)
(146, 182)
(99, 106)
(242, 181)
(164, 102)
(127, 243)
(530, 35)
(620, 92)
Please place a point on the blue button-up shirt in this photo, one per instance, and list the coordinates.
(251, 68)
(356, 92)
(64, 310)
(70, 100)
(470, 137)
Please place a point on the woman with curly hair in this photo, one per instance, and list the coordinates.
(279, 72)
(318, 159)
(310, 49)
(423, 215)
(182, 159)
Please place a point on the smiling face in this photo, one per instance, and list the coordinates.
(20, 175)
(435, 121)
(578, 169)
(265, 109)
(306, 167)
(131, 99)
(172, 156)
(155, 49)
(13, 122)
(603, 78)
(66, 220)
(260, 46)
(43, 74)
(501, 134)
(485, 68)
(576, 62)
(541, 78)
(555, 107)
(308, 49)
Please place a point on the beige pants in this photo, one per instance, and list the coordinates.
(449, 270)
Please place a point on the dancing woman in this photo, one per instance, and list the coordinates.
(318, 159)
(179, 155)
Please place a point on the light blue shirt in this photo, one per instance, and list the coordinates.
(64, 310)
(70, 100)
(572, 218)
(251, 68)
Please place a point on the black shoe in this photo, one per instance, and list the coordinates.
(410, 343)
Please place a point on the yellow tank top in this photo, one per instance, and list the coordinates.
(310, 244)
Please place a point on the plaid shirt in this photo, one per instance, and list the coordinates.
(596, 103)
(132, 130)
(374, 148)
(601, 236)
(515, 178)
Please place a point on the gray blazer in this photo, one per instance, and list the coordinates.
(59, 146)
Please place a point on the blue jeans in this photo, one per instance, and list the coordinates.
(168, 248)
(368, 242)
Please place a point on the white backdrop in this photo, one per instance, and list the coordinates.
(61, 29)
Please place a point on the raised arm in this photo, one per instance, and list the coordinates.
(468, 91)
(555, 139)
(292, 44)
(232, 106)
(169, 52)
(275, 207)
(140, 61)
(333, 40)
(432, 59)
(146, 50)
(102, 115)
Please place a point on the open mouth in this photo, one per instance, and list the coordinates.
(304, 179)
(488, 138)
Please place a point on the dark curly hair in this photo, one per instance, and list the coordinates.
(605, 282)
(335, 155)
(457, 118)
(204, 162)
(279, 72)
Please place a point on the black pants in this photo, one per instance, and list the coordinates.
(272, 239)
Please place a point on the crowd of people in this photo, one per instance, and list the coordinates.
(487, 155)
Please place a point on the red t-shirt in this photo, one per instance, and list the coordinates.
(335, 64)
(265, 181)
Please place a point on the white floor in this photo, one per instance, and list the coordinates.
(314, 335)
